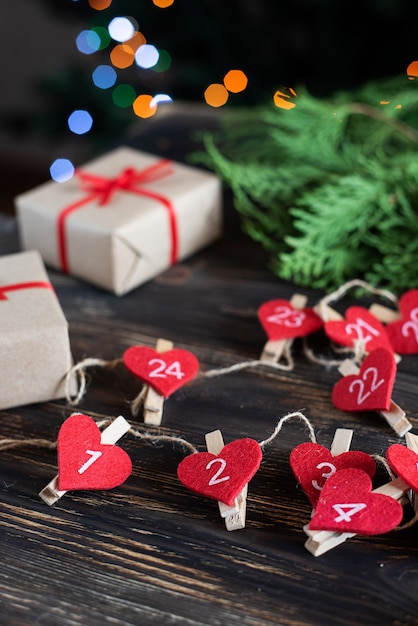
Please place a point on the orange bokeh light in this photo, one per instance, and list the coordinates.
(100, 5)
(163, 4)
(282, 99)
(412, 70)
(134, 42)
(122, 56)
(142, 106)
(216, 95)
(235, 81)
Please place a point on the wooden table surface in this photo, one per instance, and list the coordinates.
(152, 552)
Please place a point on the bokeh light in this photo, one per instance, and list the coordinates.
(103, 33)
(164, 61)
(235, 81)
(137, 39)
(123, 96)
(100, 5)
(61, 170)
(216, 95)
(142, 106)
(412, 70)
(146, 56)
(80, 122)
(88, 41)
(121, 29)
(160, 98)
(104, 76)
(122, 56)
(163, 4)
(282, 98)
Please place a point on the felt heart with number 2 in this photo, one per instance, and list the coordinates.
(371, 388)
(348, 505)
(221, 477)
(312, 464)
(163, 371)
(403, 334)
(86, 463)
(359, 325)
(281, 320)
(404, 462)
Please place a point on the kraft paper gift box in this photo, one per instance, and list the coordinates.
(35, 353)
(124, 218)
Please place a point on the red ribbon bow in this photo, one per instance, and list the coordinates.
(101, 189)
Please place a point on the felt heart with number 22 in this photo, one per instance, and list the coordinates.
(403, 334)
(347, 505)
(84, 462)
(359, 325)
(312, 464)
(281, 320)
(221, 477)
(371, 388)
(404, 462)
(163, 371)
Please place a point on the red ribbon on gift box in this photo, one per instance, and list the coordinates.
(101, 189)
(29, 285)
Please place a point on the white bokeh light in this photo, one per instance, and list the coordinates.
(121, 29)
(147, 56)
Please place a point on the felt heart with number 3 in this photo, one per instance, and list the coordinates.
(404, 462)
(221, 477)
(281, 320)
(361, 326)
(403, 334)
(312, 464)
(163, 371)
(347, 505)
(371, 388)
(86, 463)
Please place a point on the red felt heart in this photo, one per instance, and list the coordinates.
(359, 325)
(347, 505)
(371, 388)
(84, 462)
(404, 462)
(281, 320)
(403, 334)
(312, 465)
(164, 371)
(223, 476)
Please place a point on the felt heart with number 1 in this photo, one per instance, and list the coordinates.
(281, 320)
(163, 371)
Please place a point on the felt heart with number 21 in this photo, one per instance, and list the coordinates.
(347, 505)
(163, 371)
(221, 477)
(359, 325)
(403, 334)
(371, 389)
(86, 463)
(312, 464)
(281, 320)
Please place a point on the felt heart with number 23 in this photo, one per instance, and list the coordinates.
(404, 462)
(221, 477)
(281, 320)
(312, 464)
(403, 334)
(163, 371)
(371, 388)
(359, 325)
(86, 463)
(348, 505)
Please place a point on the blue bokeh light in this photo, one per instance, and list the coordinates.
(61, 170)
(80, 122)
(88, 41)
(104, 76)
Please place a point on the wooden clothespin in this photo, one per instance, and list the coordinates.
(154, 401)
(110, 435)
(321, 541)
(395, 416)
(384, 314)
(412, 443)
(234, 516)
(274, 349)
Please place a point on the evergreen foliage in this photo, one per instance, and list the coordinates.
(330, 187)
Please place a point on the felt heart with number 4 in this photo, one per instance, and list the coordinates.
(371, 388)
(221, 477)
(347, 505)
(86, 463)
(361, 326)
(312, 464)
(281, 320)
(403, 334)
(404, 462)
(163, 371)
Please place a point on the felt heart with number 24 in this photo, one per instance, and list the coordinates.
(86, 463)
(312, 464)
(281, 320)
(163, 371)
(403, 334)
(371, 388)
(221, 477)
(359, 325)
(404, 462)
(348, 505)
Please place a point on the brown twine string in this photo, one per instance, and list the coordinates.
(79, 371)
